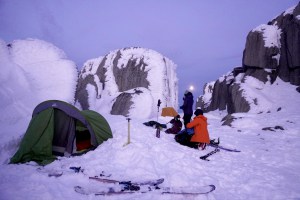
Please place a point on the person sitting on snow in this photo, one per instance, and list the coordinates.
(176, 125)
(201, 135)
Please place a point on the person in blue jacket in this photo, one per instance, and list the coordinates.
(187, 107)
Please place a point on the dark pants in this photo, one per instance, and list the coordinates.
(184, 138)
(186, 119)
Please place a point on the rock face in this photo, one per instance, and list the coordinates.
(276, 46)
(128, 82)
(272, 51)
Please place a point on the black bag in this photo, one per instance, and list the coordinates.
(154, 124)
(184, 138)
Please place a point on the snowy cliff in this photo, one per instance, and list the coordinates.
(128, 81)
(271, 56)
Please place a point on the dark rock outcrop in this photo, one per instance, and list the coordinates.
(276, 46)
(272, 51)
(124, 101)
(224, 94)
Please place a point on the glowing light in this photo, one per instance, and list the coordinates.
(191, 88)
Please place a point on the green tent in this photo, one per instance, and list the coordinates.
(57, 129)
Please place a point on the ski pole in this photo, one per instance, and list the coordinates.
(158, 104)
(128, 139)
(157, 126)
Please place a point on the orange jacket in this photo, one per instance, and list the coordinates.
(199, 124)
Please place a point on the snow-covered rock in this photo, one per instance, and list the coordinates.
(276, 46)
(32, 71)
(126, 81)
(271, 55)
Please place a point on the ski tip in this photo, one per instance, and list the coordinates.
(160, 181)
(204, 159)
(80, 190)
(213, 187)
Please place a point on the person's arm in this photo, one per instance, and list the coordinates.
(184, 103)
(192, 124)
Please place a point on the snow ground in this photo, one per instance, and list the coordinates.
(266, 168)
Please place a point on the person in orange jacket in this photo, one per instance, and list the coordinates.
(199, 123)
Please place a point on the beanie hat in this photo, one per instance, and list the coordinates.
(186, 92)
(198, 112)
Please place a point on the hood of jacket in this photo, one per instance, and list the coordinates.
(201, 117)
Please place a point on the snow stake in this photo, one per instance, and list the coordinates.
(157, 131)
(128, 139)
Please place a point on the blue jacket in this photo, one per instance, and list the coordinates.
(188, 102)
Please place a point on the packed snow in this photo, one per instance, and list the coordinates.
(266, 168)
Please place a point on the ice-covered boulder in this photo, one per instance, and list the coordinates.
(128, 82)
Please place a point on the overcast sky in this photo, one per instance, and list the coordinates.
(204, 38)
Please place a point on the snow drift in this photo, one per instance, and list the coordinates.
(32, 71)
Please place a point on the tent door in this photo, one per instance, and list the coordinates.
(64, 133)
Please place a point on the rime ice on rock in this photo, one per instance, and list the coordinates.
(128, 81)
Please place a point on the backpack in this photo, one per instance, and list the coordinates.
(184, 138)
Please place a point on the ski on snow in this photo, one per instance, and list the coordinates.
(217, 147)
(59, 172)
(209, 154)
(215, 144)
(223, 148)
(195, 190)
(148, 182)
(130, 187)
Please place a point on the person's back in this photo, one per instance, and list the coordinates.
(199, 124)
(187, 107)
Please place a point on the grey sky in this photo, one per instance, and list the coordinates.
(205, 39)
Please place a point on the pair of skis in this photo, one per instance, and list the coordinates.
(217, 147)
(115, 187)
(129, 187)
